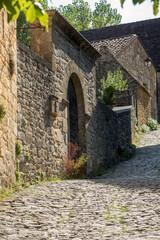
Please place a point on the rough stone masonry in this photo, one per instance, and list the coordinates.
(8, 97)
(43, 100)
(123, 204)
(44, 117)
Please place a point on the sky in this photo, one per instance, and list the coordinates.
(129, 12)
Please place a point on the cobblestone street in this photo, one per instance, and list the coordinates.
(122, 204)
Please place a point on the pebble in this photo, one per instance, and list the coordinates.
(123, 204)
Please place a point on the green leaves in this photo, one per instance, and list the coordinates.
(113, 82)
(24, 4)
(80, 15)
(23, 36)
(104, 15)
(138, 1)
(155, 7)
(155, 4)
(122, 2)
(27, 16)
(42, 16)
(32, 10)
(11, 9)
(31, 14)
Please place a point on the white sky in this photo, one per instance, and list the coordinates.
(129, 12)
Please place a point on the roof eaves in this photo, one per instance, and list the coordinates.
(115, 38)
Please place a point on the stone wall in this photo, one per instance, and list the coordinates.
(102, 137)
(143, 102)
(124, 127)
(106, 131)
(141, 97)
(158, 95)
(37, 43)
(108, 62)
(8, 96)
(43, 100)
(132, 58)
(144, 106)
(41, 137)
(123, 98)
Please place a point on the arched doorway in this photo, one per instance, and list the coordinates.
(73, 113)
(76, 113)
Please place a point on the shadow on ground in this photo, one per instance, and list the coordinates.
(142, 171)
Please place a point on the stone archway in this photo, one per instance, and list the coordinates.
(73, 72)
(76, 113)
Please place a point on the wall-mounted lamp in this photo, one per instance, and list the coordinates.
(54, 105)
(148, 62)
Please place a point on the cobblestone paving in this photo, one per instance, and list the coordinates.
(122, 204)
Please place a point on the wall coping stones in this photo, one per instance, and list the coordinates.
(123, 109)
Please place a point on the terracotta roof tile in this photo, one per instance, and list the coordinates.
(148, 31)
(115, 45)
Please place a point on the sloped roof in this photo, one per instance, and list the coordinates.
(148, 31)
(115, 45)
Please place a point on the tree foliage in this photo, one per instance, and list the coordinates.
(23, 30)
(155, 4)
(113, 82)
(32, 9)
(44, 4)
(23, 27)
(80, 15)
(104, 15)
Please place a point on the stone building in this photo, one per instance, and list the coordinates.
(51, 95)
(129, 55)
(57, 97)
(148, 34)
(8, 96)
